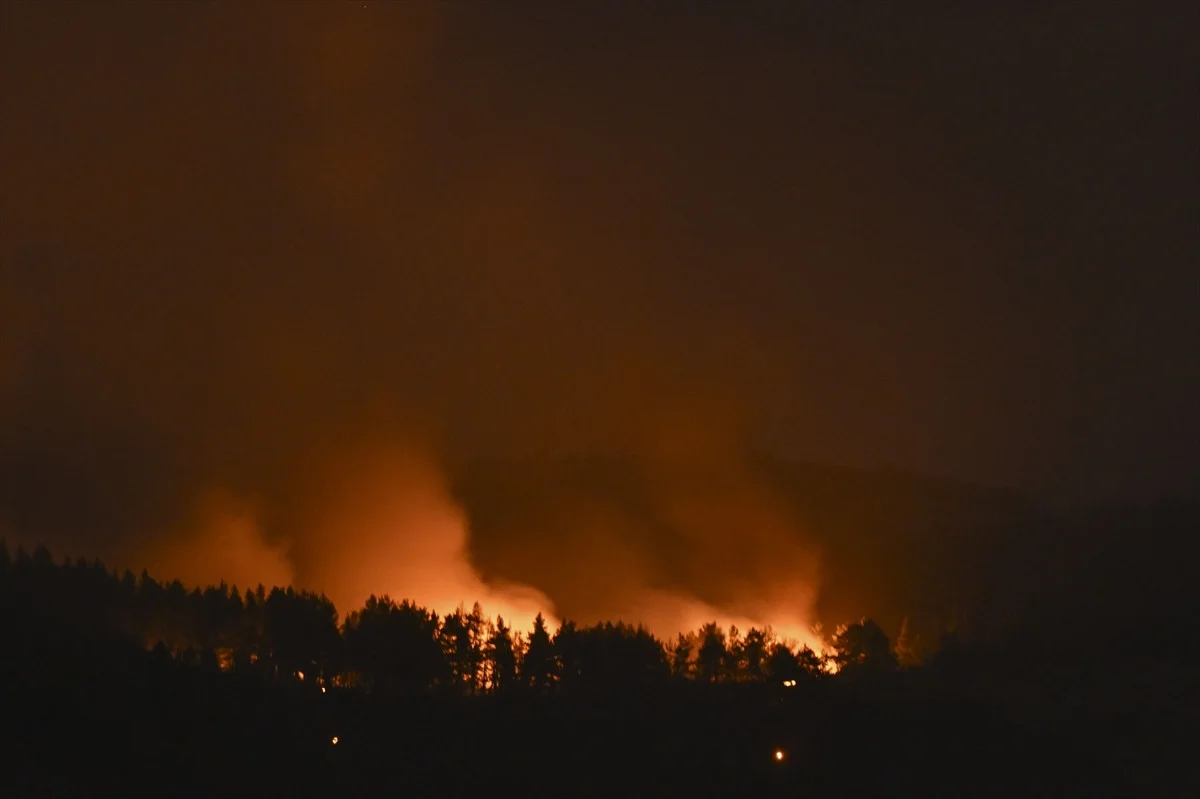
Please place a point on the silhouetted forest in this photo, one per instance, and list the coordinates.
(118, 684)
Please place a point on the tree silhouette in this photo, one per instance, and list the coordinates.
(809, 662)
(732, 667)
(501, 654)
(476, 640)
(303, 633)
(394, 648)
(569, 652)
(401, 648)
(681, 656)
(608, 657)
(712, 654)
(459, 641)
(754, 653)
(782, 663)
(863, 647)
(75, 636)
(538, 668)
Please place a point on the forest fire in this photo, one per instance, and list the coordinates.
(472, 384)
(381, 521)
(385, 524)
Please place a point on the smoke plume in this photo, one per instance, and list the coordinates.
(272, 287)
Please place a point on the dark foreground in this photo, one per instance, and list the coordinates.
(99, 724)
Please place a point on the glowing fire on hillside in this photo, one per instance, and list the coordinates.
(385, 523)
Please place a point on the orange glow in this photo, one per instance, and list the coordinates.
(225, 542)
(737, 537)
(778, 754)
(388, 525)
(383, 524)
(666, 615)
(381, 520)
(334, 740)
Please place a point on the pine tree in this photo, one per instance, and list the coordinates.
(754, 653)
(712, 654)
(538, 670)
(681, 656)
(501, 656)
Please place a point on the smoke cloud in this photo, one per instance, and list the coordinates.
(314, 290)
(226, 543)
(384, 523)
(271, 286)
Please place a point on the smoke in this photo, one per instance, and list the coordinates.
(378, 520)
(269, 287)
(384, 523)
(226, 543)
(682, 532)
(377, 516)
(226, 302)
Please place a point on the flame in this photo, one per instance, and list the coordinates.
(738, 532)
(666, 614)
(385, 523)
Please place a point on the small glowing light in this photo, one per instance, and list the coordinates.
(789, 683)
(322, 689)
(778, 752)
(335, 741)
(300, 674)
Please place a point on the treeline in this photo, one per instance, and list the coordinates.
(116, 684)
(389, 647)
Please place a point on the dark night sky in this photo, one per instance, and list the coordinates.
(951, 240)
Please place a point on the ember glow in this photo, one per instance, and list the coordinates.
(666, 614)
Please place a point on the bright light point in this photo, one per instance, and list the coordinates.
(789, 683)
(323, 691)
(300, 674)
(778, 753)
(334, 741)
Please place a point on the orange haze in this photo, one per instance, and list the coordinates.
(384, 522)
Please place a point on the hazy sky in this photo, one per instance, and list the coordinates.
(238, 238)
